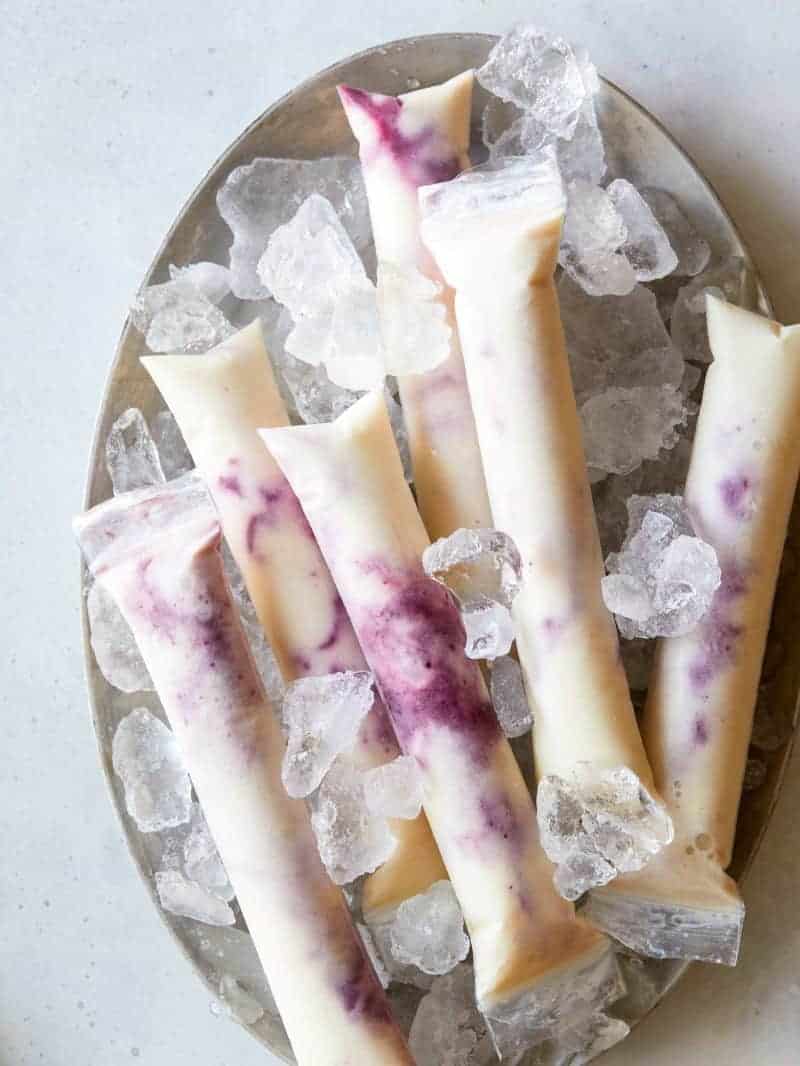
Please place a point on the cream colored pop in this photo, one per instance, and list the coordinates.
(699, 712)
(530, 951)
(405, 142)
(219, 399)
(495, 235)
(156, 551)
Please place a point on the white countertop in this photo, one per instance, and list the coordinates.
(111, 112)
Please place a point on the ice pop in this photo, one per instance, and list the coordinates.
(533, 958)
(741, 481)
(156, 552)
(405, 142)
(219, 399)
(495, 235)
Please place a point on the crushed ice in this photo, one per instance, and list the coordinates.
(394, 790)
(662, 581)
(145, 757)
(507, 690)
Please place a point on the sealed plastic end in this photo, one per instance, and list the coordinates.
(557, 1003)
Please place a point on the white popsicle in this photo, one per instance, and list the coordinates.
(219, 400)
(156, 552)
(405, 142)
(495, 236)
(699, 711)
(533, 958)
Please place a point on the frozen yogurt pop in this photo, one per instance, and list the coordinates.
(405, 142)
(533, 958)
(699, 712)
(495, 235)
(156, 551)
(219, 400)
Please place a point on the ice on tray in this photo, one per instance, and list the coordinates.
(624, 426)
(131, 456)
(508, 697)
(115, 650)
(257, 198)
(201, 860)
(447, 1029)
(692, 250)
(186, 898)
(177, 316)
(688, 321)
(322, 716)
(394, 790)
(145, 757)
(663, 580)
(170, 445)
(427, 931)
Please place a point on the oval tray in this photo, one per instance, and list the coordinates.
(308, 122)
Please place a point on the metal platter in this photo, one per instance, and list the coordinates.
(307, 123)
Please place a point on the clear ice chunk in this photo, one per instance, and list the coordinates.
(542, 75)
(263, 655)
(583, 157)
(170, 445)
(597, 825)
(201, 860)
(261, 196)
(413, 321)
(322, 716)
(447, 1029)
(131, 455)
(623, 427)
(476, 564)
(692, 250)
(688, 320)
(616, 340)
(489, 629)
(394, 790)
(592, 242)
(427, 931)
(145, 757)
(117, 654)
(351, 840)
(238, 1003)
(211, 279)
(177, 317)
(575, 1047)
(646, 245)
(662, 582)
(508, 696)
(183, 897)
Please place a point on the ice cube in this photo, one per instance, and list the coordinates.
(582, 1044)
(692, 250)
(170, 445)
(145, 757)
(258, 198)
(180, 896)
(597, 825)
(646, 245)
(211, 279)
(353, 352)
(375, 957)
(622, 427)
(663, 580)
(489, 629)
(592, 242)
(476, 564)
(351, 840)
(582, 157)
(508, 696)
(688, 321)
(394, 790)
(616, 340)
(413, 321)
(310, 261)
(447, 1029)
(131, 456)
(322, 716)
(117, 654)
(428, 931)
(201, 861)
(238, 1003)
(540, 73)
(176, 317)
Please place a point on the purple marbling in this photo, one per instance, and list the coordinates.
(278, 505)
(736, 493)
(719, 632)
(361, 992)
(420, 156)
(414, 643)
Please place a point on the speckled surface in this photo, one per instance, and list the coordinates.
(111, 114)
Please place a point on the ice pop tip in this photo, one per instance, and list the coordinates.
(691, 911)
